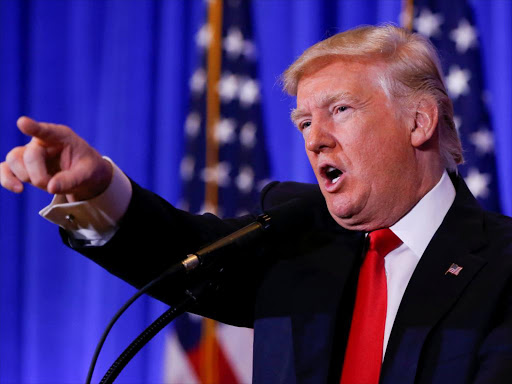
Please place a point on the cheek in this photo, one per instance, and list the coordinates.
(383, 141)
(386, 164)
(365, 153)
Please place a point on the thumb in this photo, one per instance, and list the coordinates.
(65, 182)
(83, 181)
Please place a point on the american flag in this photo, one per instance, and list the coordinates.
(451, 27)
(201, 351)
(454, 269)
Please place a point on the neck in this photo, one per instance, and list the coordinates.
(428, 177)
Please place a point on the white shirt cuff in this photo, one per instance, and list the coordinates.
(96, 220)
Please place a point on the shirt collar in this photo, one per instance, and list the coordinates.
(419, 225)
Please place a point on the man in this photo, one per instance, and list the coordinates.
(433, 307)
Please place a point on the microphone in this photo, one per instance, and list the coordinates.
(292, 216)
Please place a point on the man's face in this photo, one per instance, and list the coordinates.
(357, 143)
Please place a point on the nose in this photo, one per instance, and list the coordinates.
(319, 136)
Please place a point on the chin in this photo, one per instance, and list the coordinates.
(348, 215)
(341, 213)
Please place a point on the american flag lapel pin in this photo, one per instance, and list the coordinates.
(454, 269)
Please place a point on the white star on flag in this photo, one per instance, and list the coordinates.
(192, 124)
(483, 140)
(197, 82)
(464, 36)
(249, 92)
(428, 23)
(245, 179)
(457, 81)
(228, 87)
(248, 135)
(204, 36)
(234, 43)
(187, 166)
(218, 174)
(478, 183)
(225, 131)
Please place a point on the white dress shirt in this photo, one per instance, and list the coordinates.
(96, 221)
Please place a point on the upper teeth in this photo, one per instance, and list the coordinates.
(333, 173)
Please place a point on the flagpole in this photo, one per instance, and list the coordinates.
(407, 14)
(212, 99)
(209, 368)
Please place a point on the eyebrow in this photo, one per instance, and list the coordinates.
(323, 100)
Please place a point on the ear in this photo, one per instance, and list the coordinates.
(425, 121)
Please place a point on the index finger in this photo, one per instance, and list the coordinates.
(44, 132)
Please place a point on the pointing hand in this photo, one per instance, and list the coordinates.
(56, 160)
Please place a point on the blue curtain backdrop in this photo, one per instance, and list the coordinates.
(117, 72)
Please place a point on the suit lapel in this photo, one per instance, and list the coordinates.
(431, 291)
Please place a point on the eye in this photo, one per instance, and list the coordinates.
(304, 125)
(341, 108)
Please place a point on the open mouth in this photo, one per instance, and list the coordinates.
(333, 174)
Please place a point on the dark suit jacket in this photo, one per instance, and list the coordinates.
(298, 294)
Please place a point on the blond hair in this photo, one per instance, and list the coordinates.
(412, 68)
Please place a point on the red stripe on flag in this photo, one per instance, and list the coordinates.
(198, 360)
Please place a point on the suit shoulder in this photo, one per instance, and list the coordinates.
(309, 200)
(499, 228)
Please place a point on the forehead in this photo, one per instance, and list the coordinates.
(339, 78)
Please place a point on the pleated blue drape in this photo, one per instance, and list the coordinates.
(117, 72)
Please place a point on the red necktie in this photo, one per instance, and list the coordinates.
(363, 357)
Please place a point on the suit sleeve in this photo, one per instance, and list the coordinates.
(153, 235)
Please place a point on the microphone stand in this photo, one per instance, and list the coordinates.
(192, 296)
(174, 270)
